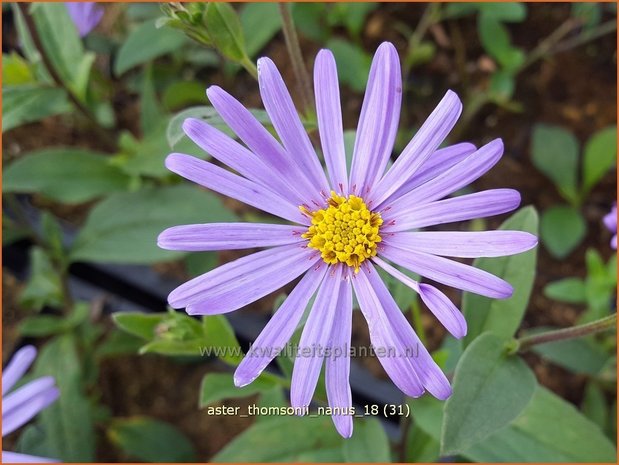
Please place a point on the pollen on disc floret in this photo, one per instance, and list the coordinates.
(346, 231)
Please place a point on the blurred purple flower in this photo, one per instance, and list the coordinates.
(342, 226)
(85, 15)
(21, 405)
(610, 221)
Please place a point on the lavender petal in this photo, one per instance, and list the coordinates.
(384, 337)
(462, 208)
(260, 141)
(378, 121)
(242, 281)
(329, 112)
(466, 244)
(285, 119)
(459, 176)
(220, 180)
(429, 137)
(279, 329)
(314, 338)
(22, 405)
(337, 365)
(428, 372)
(237, 157)
(18, 365)
(228, 236)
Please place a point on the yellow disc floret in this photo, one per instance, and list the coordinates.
(346, 231)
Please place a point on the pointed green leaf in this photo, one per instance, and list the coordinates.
(216, 387)
(68, 175)
(151, 440)
(124, 227)
(554, 152)
(503, 316)
(562, 229)
(600, 156)
(145, 43)
(224, 29)
(369, 442)
(490, 389)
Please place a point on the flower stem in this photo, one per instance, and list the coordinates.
(525, 343)
(249, 66)
(106, 137)
(296, 57)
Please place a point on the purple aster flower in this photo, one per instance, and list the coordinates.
(610, 221)
(21, 405)
(85, 16)
(343, 226)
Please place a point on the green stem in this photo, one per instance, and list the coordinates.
(405, 426)
(430, 16)
(525, 343)
(545, 46)
(107, 138)
(296, 57)
(249, 66)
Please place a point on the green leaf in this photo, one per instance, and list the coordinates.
(124, 227)
(490, 389)
(181, 94)
(224, 29)
(594, 405)
(151, 440)
(577, 355)
(146, 157)
(260, 21)
(142, 325)
(44, 287)
(67, 175)
(15, 70)
(353, 63)
(197, 263)
(173, 348)
(589, 13)
(220, 336)
(151, 113)
(118, 343)
(285, 438)
(549, 430)
(503, 317)
(216, 387)
(555, 153)
(571, 290)
(63, 46)
(352, 15)
(421, 447)
(562, 229)
(48, 325)
(502, 85)
(145, 43)
(600, 156)
(311, 20)
(512, 12)
(369, 443)
(29, 102)
(600, 285)
(67, 423)
(496, 41)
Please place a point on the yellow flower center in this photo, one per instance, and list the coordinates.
(345, 232)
